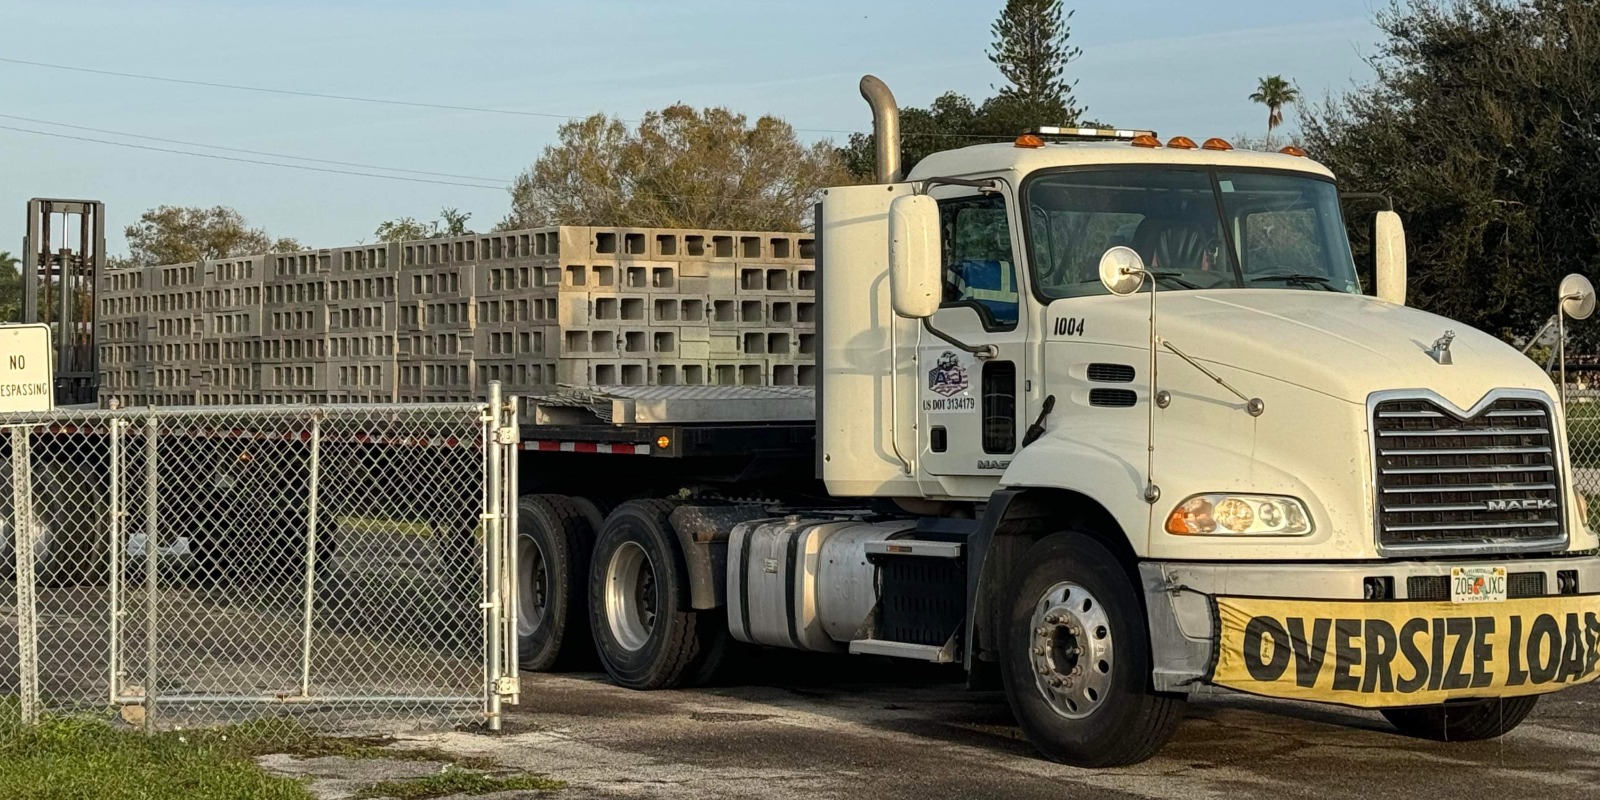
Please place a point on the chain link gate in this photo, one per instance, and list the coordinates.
(347, 567)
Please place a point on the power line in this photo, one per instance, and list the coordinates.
(250, 160)
(293, 92)
(657, 195)
(320, 95)
(242, 150)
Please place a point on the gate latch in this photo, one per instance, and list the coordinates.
(507, 434)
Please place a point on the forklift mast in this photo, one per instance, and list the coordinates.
(62, 258)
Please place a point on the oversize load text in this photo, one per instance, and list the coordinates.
(1383, 654)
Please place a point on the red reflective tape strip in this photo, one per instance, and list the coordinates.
(588, 447)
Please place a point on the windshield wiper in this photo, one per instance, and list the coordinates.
(1173, 276)
(1298, 279)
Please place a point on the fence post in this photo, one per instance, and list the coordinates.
(509, 554)
(152, 533)
(315, 468)
(114, 557)
(491, 544)
(27, 604)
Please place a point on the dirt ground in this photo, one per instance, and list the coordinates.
(821, 727)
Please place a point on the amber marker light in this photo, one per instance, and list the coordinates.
(1291, 150)
(1216, 144)
(1029, 140)
(1146, 140)
(1182, 143)
(663, 442)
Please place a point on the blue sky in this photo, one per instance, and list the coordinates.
(1179, 67)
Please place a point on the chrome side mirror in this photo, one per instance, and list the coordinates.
(1577, 296)
(1122, 270)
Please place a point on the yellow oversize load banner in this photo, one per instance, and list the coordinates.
(1376, 655)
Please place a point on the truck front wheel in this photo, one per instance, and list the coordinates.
(1076, 658)
(647, 635)
(1471, 721)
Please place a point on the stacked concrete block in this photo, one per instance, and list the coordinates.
(437, 320)
(124, 337)
(172, 371)
(232, 302)
(363, 320)
(294, 339)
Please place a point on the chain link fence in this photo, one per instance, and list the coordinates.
(341, 566)
(1583, 443)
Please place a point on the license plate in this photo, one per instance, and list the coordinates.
(1477, 584)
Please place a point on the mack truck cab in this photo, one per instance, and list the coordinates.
(1139, 428)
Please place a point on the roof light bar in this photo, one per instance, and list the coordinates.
(1091, 133)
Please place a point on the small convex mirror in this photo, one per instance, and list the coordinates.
(1122, 270)
(1577, 296)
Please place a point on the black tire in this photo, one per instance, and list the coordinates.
(659, 641)
(555, 537)
(1123, 721)
(1463, 722)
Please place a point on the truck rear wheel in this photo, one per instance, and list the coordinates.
(1463, 722)
(1076, 658)
(555, 537)
(645, 632)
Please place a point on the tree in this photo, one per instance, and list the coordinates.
(1483, 126)
(10, 287)
(172, 235)
(680, 168)
(1031, 49)
(1274, 92)
(451, 222)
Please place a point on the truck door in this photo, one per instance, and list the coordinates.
(970, 409)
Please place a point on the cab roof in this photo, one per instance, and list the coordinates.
(988, 159)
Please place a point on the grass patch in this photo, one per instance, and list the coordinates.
(456, 782)
(85, 757)
(80, 758)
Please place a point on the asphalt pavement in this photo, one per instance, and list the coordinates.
(793, 725)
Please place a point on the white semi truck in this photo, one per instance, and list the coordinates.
(1104, 419)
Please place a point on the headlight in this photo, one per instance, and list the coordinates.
(1239, 515)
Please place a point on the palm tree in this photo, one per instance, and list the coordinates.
(1274, 93)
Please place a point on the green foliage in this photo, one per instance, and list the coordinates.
(1482, 126)
(10, 287)
(1032, 52)
(80, 758)
(1274, 92)
(451, 222)
(680, 168)
(456, 782)
(173, 235)
(1032, 49)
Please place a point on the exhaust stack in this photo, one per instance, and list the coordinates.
(885, 128)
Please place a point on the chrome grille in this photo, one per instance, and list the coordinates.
(1489, 482)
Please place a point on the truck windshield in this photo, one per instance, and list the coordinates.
(1201, 228)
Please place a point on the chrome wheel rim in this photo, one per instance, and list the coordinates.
(630, 596)
(534, 598)
(1070, 650)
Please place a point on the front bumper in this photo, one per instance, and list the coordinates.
(1303, 631)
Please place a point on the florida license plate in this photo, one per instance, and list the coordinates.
(1477, 584)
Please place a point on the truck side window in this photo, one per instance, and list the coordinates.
(978, 267)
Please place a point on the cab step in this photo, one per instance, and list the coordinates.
(923, 548)
(918, 652)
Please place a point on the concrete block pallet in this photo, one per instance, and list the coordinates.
(440, 319)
